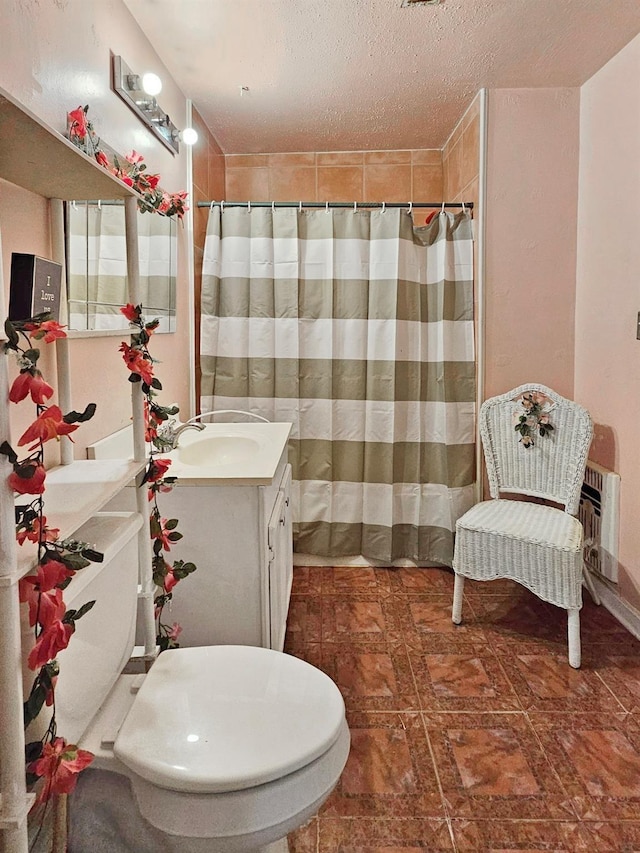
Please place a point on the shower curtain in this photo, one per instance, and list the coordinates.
(358, 329)
(97, 255)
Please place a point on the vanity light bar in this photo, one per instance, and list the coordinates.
(128, 86)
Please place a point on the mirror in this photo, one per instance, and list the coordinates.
(97, 266)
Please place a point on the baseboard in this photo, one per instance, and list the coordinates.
(345, 562)
(618, 607)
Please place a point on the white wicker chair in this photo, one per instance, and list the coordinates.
(536, 545)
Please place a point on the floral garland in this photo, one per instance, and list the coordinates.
(534, 420)
(132, 172)
(50, 758)
(163, 531)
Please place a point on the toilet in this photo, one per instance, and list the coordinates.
(219, 749)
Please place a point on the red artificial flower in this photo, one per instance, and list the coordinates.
(158, 487)
(134, 158)
(45, 608)
(59, 766)
(174, 632)
(53, 639)
(48, 575)
(33, 485)
(47, 329)
(170, 580)
(37, 532)
(162, 534)
(102, 159)
(78, 123)
(152, 180)
(49, 424)
(137, 363)
(131, 312)
(50, 697)
(165, 203)
(30, 381)
(157, 469)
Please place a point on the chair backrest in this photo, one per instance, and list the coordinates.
(553, 466)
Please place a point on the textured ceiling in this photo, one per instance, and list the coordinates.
(369, 74)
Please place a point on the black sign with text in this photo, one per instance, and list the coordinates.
(35, 287)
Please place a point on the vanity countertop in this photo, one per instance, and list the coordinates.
(241, 454)
(223, 454)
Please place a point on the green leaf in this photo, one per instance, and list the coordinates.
(134, 377)
(34, 703)
(25, 472)
(32, 354)
(171, 524)
(174, 537)
(80, 417)
(7, 450)
(156, 384)
(32, 751)
(12, 335)
(94, 556)
(84, 610)
(75, 562)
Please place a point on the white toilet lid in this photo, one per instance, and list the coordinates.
(224, 718)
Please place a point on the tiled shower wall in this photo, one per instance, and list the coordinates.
(392, 176)
(461, 158)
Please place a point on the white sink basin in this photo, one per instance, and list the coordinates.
(217, 450)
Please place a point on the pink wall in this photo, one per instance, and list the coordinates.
(532, 182)
(54, 57)
(607, 354)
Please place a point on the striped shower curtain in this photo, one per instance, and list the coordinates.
(358, 329)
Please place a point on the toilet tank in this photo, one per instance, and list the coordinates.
(104, 637)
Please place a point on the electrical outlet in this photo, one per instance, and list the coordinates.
(638, 327)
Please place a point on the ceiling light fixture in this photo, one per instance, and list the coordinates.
(139, 92)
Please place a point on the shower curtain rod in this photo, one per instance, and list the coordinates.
(328, 204)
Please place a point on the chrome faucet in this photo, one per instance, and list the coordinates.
(169, 433)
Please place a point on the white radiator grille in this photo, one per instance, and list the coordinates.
(599, 516)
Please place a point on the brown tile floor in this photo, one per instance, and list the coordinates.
(472, 738)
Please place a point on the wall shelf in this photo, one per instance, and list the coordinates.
(38, 158)
(75, 493)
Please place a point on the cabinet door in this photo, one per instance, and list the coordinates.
(280, 562)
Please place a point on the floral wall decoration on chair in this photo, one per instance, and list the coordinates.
(534, 420)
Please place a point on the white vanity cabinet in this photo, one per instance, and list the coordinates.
(239, 537)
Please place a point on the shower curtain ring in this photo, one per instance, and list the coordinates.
(222, 206)
(355, 206)
(464, 207)
(273, 207)
(442, 208)
(384, 206)
(326, 207)
(211, 206)
(410, 207)
(248, 207)
(99, 204)
(300, 207)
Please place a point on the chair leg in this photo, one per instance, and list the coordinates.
(588, 580)
(573, 631)
(458, 588)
